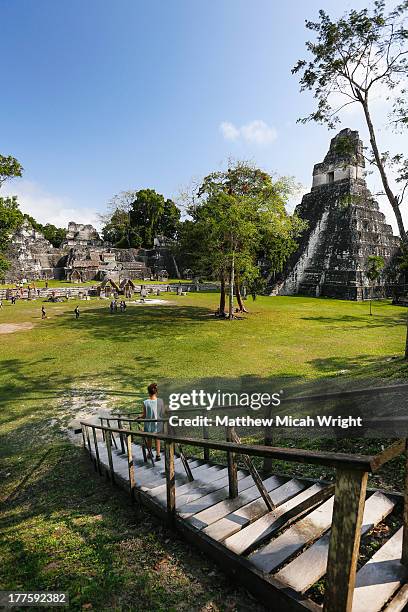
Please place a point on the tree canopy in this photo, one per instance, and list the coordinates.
(9, 168)
(11, 219)
(55, 235)
(237, 217)
(136, 217)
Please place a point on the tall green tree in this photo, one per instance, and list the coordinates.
(351, 60)
(375, 265)
(239, 215)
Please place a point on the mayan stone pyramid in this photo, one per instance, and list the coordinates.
(345, 227)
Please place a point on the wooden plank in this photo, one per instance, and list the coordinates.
(311, 565)
(294, 538)
(234, 522)
(170, 480)
(399, 602)
(389, 453)
(344, 544)
(380, 577)
(194, 495)
(212, 474)
(218, 511)
(265, 588)
(261, 529)
(211, 498)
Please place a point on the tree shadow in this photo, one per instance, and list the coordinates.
(377, 320)
(136, 321)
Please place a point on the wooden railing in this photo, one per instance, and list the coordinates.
(349, 491)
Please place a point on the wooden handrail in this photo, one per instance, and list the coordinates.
(368, 463)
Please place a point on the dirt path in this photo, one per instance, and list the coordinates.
(10, 328)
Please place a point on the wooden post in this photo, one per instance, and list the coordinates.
(109, 449)
(206, 436)
(404, 556)
(83, 435)
(98, 461)
(170, 480)
(232, 467)
(103, 431)
(88, 440)
(268, 461)
(110, 433)
(348, 510)
(121, 436)
(131, 466)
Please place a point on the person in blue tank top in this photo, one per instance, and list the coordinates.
(153, 408)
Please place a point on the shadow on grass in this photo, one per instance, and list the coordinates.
(377, 320)
(68, 530)
(137, 322)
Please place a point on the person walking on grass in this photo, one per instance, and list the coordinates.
(43, 313)
(76, 311)
(153, 408)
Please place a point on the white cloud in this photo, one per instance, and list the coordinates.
(229, 131)
(49, 208)
(256, 131)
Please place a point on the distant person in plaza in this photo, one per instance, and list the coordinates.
(76, 311)
(43, 313)
(112, 306)
(153, 408)
(46, 284)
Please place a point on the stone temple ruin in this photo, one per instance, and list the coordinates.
(345, 227)
(82, 257)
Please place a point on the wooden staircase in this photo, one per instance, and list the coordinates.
(312, 532)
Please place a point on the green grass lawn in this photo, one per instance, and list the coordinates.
(65, 528)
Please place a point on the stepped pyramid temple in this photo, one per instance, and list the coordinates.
(345, 227)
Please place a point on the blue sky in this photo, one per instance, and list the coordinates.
(100, 96)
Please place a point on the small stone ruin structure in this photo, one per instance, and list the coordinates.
(83, 256)
(345, 227)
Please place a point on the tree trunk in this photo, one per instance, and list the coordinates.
(231, 289)
(222, 295)
(176, 266)
(239, 297)
(406, 343)
(388, 191)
